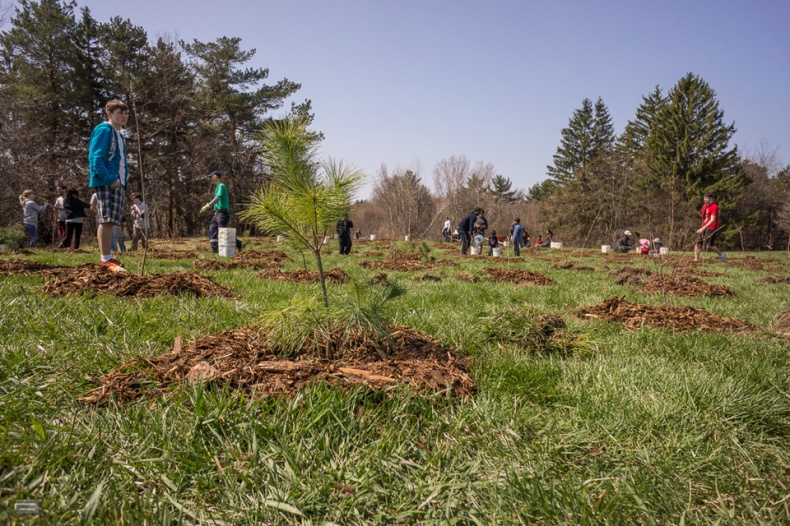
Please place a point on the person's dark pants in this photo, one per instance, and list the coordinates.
(446, 235)
(220, 220)
(465, 240)
(345, 245)
(73, 231)
(516, 248)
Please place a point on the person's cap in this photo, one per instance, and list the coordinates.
(656, 240)
(627, 232)
(212, 174)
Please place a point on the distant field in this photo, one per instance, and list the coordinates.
(666, 415)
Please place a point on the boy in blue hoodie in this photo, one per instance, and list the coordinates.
(109, 174)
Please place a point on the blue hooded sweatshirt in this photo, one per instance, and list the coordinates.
(104, 158)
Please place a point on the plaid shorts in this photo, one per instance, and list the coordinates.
(707, 238)
(110, 204)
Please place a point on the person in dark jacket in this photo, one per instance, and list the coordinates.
(466, 227)
(343, 228)
(75, 211)
(623, 244)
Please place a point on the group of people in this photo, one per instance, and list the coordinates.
(705, 240)
(472, 228)
(109, 175)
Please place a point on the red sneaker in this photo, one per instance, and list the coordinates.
(114, 265)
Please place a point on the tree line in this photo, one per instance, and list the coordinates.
(196, 107)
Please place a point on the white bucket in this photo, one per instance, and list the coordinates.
(408, 238)
(3, 248)
(505, 243)
(280, 239)
(227, 251)
(337, 236)
(605, 249)
(556, 244)
(372, 237)
(326, 240)
(663, 251)
(475, 251)
(497, 252)
(227, 236)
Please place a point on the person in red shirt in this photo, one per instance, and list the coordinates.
(706, 235)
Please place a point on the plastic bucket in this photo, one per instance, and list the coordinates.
(663, 251)
(497, 252)
(326, 240)
(475, 251)
(605, 249)
(280, 238)
(337, 236)
(556, 244)
(372, 237)
(227, 251)
(408, 238)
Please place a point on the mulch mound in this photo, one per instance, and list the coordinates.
(241, 359)
(467, 276)
(521, 277)
(776, 280)
(427, 276)
(683, 285)
(78, 280)
(26, 267)
(334, 275)
(249, 259)
(634, 315)
(404, 262)
(156, 253)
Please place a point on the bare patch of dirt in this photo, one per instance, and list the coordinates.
(334, 275)
(567, 265)
(634, 276)
(427, 276)
(683, 285)
(467, 276)
(242, 359)
(521, 277)
(380, 279)
(634, 315)
(78, 280)
(776, 280)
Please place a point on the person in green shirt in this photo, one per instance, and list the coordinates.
(221, 213)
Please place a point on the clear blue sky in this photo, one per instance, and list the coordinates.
(410, 82)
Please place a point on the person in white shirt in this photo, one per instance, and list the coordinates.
(141, 221)
(61, 189)
(448, 227)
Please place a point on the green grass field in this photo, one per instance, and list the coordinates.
(633, 427)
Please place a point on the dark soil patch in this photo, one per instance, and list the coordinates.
(249, 259)
(521, 277)
(634, 276)
(467, 276)
(241, 359)
(334, 275)
(782, 323)
(776, 280)
(567, 265)
(683, 285)
(380, 279)
(634, 315)
(94, 278)
(427, 276)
